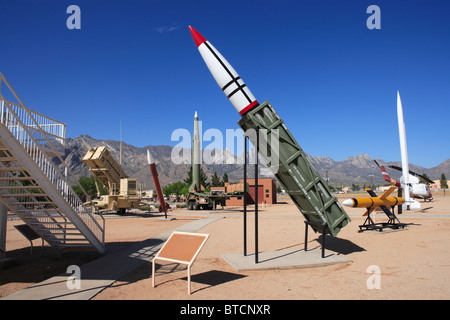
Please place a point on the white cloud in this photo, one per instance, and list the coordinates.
(165, 29)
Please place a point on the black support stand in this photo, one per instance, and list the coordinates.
(322, 228)
(392, 223)
(256, 196)
(245, 195)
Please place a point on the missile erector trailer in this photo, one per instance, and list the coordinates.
(122, 190)
(295, 172)
(104, 167)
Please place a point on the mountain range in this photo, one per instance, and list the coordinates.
(359, 169)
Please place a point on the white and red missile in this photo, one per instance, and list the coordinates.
(159, 192)
(226, 77)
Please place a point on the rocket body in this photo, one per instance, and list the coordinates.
(405, 179)
(373, 202)
(403, 148)
(196, 160)
(226, 77)
(159, 192)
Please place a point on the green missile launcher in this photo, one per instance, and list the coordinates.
(296, 173)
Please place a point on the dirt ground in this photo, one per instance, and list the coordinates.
(413, 263)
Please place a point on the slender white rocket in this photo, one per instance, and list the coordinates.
(226, 77)
(403, 149)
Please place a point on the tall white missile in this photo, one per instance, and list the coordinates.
(196, 160)
(403, 149)
(404, 154)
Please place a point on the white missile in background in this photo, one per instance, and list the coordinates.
(196, 157)
(409, 203)
(226, 77)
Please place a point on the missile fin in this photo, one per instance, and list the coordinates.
(369, 211)
(371, 193)
(388, 192)
(388, 212)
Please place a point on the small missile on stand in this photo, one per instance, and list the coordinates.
(374, 201)
(371, 203)
(294, 171)
(159, 192)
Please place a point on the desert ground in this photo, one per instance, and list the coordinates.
(413, 263)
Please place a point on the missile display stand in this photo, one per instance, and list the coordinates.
(294, 171)
(296, 174)
(256, 196)
(392, 223)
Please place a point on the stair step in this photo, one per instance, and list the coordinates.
(38, 210)
(6, 169)
(17, 178)
(7, 158)
(47, 229)
(41, 226)
(43, 222)
(19, 187)
(36, 203)
(20, 195)
(47, 232)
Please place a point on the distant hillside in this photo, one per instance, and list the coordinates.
(358, 169)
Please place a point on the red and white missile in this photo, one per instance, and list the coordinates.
(226, 77)
(159, 192)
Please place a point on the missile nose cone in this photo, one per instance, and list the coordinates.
(149, 158)
(348, 203)
(195, 115)
(198, 38)
(226, 77)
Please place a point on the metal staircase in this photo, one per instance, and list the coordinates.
(31, 185)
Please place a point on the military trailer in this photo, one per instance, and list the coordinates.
(205, 201)
(210, 200)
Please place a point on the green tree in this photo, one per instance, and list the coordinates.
(224, 179)
(444, 184)
(203, 178)
(88, 184)
(175, 188)
(215, 180)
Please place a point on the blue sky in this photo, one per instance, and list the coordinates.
(331, 79)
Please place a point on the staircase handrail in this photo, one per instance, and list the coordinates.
(61, 184)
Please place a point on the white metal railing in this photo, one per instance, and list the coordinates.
(53, 129)
(31, 135)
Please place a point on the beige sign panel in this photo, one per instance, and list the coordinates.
(181, 247)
